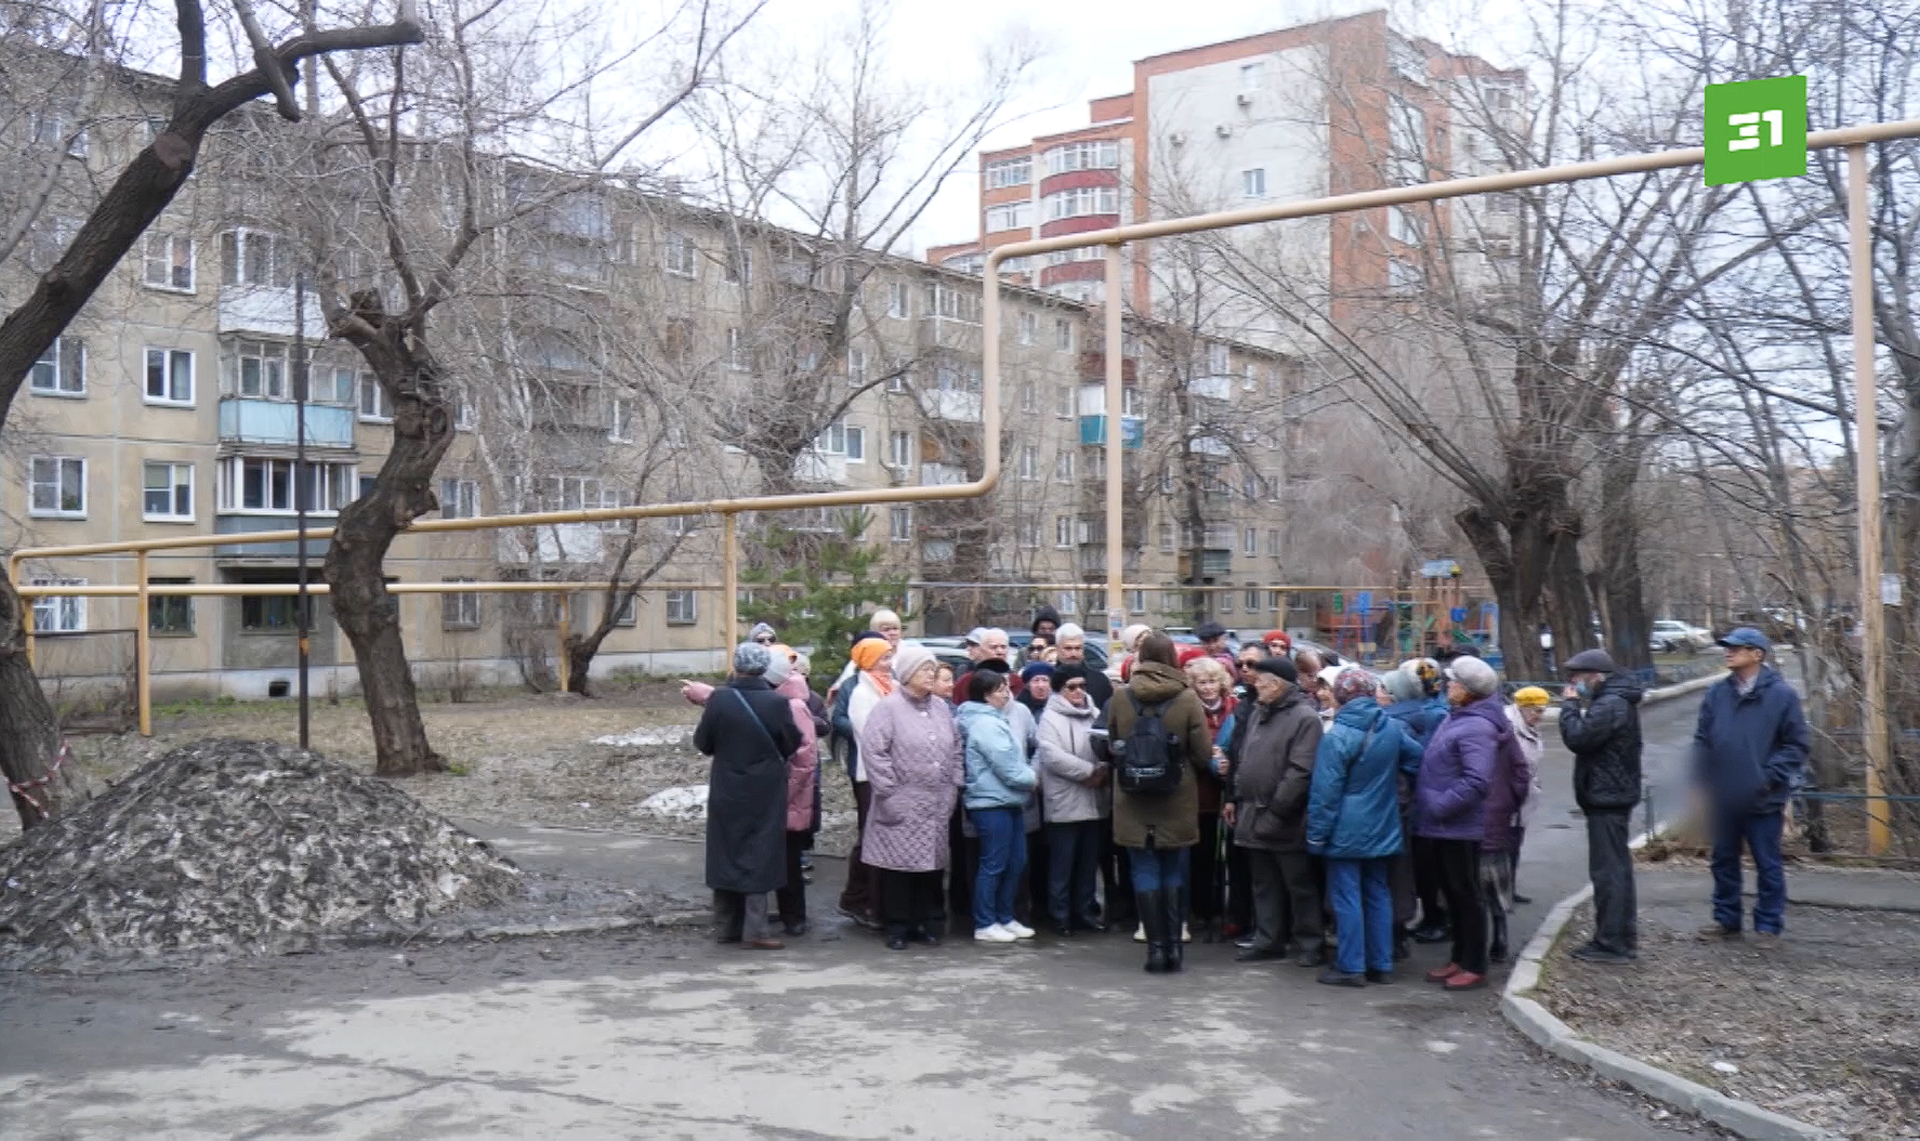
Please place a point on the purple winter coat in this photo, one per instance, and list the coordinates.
(1512, 780)
(1459, 770)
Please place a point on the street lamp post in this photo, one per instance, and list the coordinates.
(302, 623)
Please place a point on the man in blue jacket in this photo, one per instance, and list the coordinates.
(1749, 754)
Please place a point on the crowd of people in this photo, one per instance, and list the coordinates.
(1326, 815)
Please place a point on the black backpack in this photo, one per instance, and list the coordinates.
(1148, 762)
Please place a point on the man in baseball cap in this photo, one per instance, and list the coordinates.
(1749, 753)
(1600, 725)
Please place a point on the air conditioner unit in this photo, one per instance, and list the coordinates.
(1177, 138)
(898, 473)
(1246, 99)
(1224, 131)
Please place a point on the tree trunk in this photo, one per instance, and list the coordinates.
(422, 432)
(1628, 631)
(42, 786)
(1532, 560)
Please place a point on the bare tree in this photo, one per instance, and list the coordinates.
(29, 731)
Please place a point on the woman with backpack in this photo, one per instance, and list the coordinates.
(1353, 821)
(1157, 737)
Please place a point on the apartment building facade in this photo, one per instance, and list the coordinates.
(167, 410)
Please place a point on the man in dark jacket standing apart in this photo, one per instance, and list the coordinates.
(748, 730)
(1271, 779)
(1749, 754)
(1600, 724)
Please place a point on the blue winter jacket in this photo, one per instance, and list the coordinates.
(1353, 810)
(1417, 717)
(998, 775)
(1750, 752)
(1458, 769)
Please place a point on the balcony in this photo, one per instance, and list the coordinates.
(1209, 446)
(1215, 562)
(1093, 431)
(938, 475)
(244, 421)
(937, 551)
(1211, 387)
(820, 467)
(954, 405)
(254, 524)
(267, 310)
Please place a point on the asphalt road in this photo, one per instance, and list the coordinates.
(664, 1035)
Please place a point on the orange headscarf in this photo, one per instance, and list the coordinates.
(866, 654)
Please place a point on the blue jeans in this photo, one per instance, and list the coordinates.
(1362, 914)
(1003, 858)
(1760, 832)
(1158, 869)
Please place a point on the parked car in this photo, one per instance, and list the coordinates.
(946, 651)
(1674, 637)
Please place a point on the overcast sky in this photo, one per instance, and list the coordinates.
(1091, 48)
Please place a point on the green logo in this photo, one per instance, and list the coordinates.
(1756, 130)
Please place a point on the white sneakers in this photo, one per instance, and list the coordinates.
(1002, 933)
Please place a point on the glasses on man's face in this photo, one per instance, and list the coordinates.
(1075, 686)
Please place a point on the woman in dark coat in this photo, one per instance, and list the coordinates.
(748, 730)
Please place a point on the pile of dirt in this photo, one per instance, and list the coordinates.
(237, 847)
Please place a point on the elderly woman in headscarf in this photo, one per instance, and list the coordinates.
(1209, 873)
(872, 662)
(803, 767)
(911, 752)
(749, 731)
(1528, 709)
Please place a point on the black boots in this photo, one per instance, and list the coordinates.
(1173, 918)
(1152, 906)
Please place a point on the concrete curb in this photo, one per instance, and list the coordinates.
(590, 925)
(1655, 696)
(1557, 1038)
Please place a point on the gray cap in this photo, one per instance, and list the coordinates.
(1475, 674)
(1590, 661)
(751, 659)
(976, 636)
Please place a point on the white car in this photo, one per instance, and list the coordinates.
(1670, 636)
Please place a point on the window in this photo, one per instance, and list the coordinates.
(1166, 483)
(1249, 378)
(900, 449)
(167, 493)
(464, 419)
(1250, 487)
(1066, 603)
(58, 487)
(629, 615)
(257, 484)
(899, 300)
(169, 262)
(1082, 201)
(249, 257)
(374, 404)
(1029, 397)
(680, 257)
(1010, 172)
(619, 419)
(833, 439)
(1063, 334)
(897, 380)
(1219, 360)
(1092, 154)
(267, 613)
(900, 524)
(459, 499)
(1273, 541)
(856, 367)
(957, 304)
(1011, 216)
(257, 368)
(60, 614)
(1253, 183)
(1252, 601)
(1402, 225)
(170, 615)
(169, 376)
(1063, 402)
(739, 267)
(1136, 602)
(61, 370)
(339, 385)
(683, 609)
(1252, 76)
(1402, 276)
(1250, 542)
(1407, 135)
(1029, 328)
(738, 355)
(1223, 603)
(1029, 463)
(1219, 536)
(1063, 467)
(1166, 536)
(459, 610)
(1063, 530)
(1030, 533)
(856, 444)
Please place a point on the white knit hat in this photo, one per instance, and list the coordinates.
(907, 658)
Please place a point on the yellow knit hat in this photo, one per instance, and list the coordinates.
(1532, 695)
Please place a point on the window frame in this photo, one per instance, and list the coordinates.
(173, 489)
(687, 603)
(58, 483)
(459, 499)
(900, 524)
(169, 267)
(166, 602)
(679, 255)
(62, 363)
(169, 357)
(455, 606)
(1253, 182)
(383, 404)
(60, 605)
(900, 448)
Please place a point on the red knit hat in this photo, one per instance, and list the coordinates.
(1189, 654)
(1280, 636)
